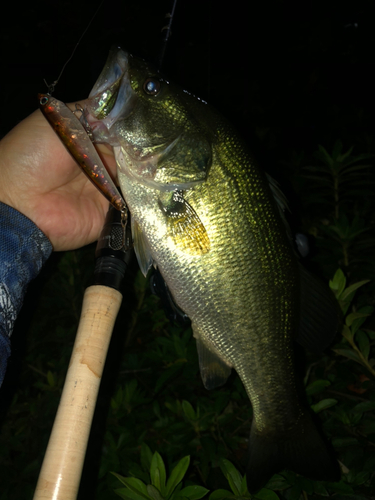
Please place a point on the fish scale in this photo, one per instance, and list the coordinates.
(204, 213)
(227, 245)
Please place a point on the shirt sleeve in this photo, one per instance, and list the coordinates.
(23, 251)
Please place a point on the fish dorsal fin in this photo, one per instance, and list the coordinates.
(185, 161)
(141, 248)
(184, 226)
(214, 371)
(320, 314)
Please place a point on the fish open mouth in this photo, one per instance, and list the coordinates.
(110, 98)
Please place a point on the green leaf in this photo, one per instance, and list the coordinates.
(361, 477)
(352, 288)
(177, 475)
(244, 490)
(277, 482)
(353, 316)
(323, 155)
(323, 405)
(188, 410)
(194, 492)
(154, 493)
(157, 472)
(51, 379)
(293, 493)
(363, 343)
(233, 476)
(348, 354)
(168, 374)
(119, 477)
(129, 494)
(146, 456)
(344, 441)
(319, 489)
(317, 386)
(265, 494)
(133, 484)
(337, 284)
(363, 407)
(220, 494)
(357, 323)
(340, 487)
(347, 333)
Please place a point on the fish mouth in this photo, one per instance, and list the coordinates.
(111, 98)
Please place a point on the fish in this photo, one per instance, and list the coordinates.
(210, 220)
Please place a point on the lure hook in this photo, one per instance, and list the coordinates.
(84, 121)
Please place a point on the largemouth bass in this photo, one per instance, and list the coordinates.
(206, 215)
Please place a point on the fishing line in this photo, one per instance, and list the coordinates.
(51, 87)
(168, 33)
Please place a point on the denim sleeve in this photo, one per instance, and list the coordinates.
(23, 251)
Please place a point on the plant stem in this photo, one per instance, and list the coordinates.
(363, 359)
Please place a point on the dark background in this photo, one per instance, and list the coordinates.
(290, 75)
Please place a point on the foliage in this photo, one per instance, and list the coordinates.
(338, 201)
(152, 393)
(357, 338)
(160, 488)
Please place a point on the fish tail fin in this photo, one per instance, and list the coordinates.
(301, 450)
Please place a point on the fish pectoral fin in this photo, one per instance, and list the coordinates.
(184, 226)
(214, 371)
(320, 315)
(141, 248)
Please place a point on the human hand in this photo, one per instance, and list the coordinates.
(40, 179)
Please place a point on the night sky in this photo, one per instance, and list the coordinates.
(289, 75)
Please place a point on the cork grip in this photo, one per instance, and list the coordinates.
(60, 474)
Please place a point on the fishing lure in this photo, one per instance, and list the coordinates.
(77, 141)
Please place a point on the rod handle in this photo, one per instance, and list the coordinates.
(61, 470)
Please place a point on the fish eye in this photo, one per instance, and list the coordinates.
(43, 100)
(152, 86)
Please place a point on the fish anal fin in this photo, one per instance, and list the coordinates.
(184, 226)
(214, 371)
(300, 449)
(320, 314)
(141, 248)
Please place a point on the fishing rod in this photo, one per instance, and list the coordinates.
(60, 475)
(61, 471)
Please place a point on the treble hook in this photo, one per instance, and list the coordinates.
(83, 120)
